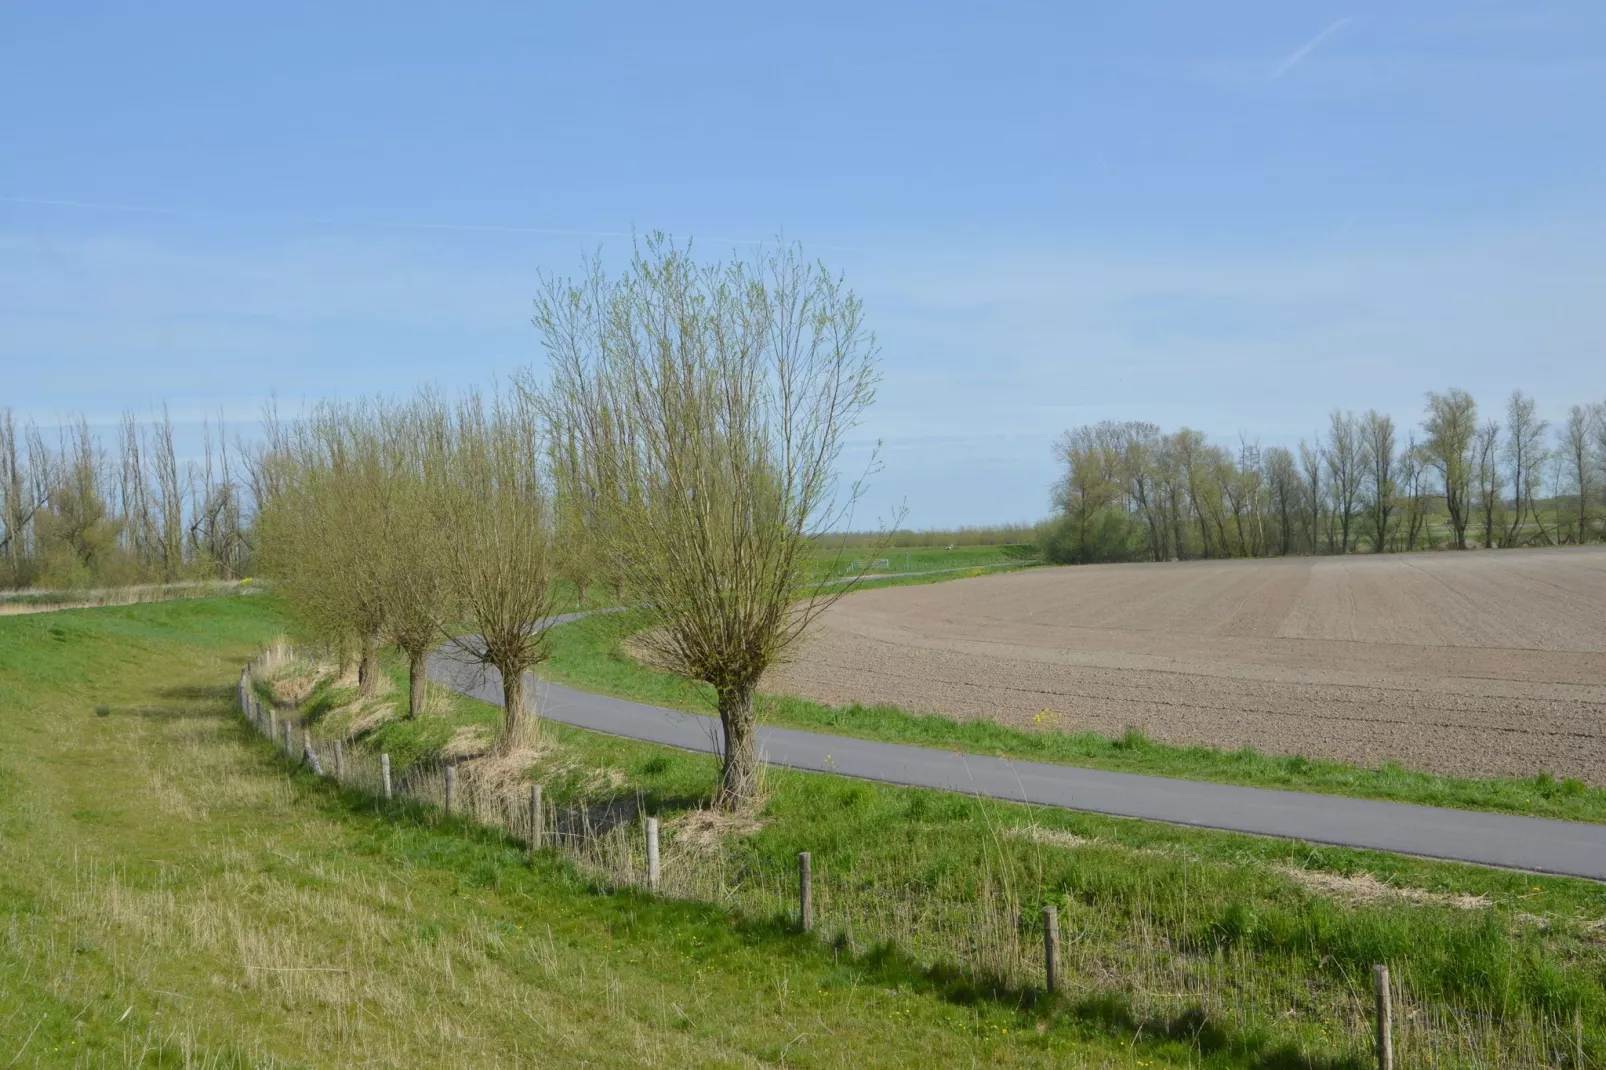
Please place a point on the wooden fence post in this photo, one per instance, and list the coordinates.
(652, 854)
(451, 786)
(805, 892)
(289, 739)
(384, 772)
(340, 761)
(310, 752)
(273, 726)
(535, 819)
(1385, 1017)
(1051, 948)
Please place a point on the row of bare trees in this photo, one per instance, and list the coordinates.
(1132, 492)
(76, 514)
(680, 447)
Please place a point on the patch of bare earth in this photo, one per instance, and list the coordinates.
(1484, 663)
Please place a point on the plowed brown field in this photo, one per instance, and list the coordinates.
(1483, 663)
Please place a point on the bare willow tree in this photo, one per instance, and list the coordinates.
(711, 402)
(1526, 455)
(1282, 478)
(1377, 435)
(576, 559)
(1578, 451)
(1346, 468)
(77, 532)
(23, 493)
(1411, 464)
(1599, 429)
(1488, 480)
(493, 504)
(1310, 466)
(1451, 425)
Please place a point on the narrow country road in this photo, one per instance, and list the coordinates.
(1538, 844)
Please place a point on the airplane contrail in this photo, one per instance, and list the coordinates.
(1294, 58)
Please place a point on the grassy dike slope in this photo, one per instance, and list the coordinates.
(172, 894)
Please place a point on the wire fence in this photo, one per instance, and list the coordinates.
(1000, 937)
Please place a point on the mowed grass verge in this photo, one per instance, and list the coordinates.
(174, 894)
(590, 654)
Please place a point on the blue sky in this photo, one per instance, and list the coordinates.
(1234, 216)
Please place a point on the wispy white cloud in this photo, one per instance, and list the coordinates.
(1297, 56)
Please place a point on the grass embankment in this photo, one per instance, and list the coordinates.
(172, 894)
(1292, 923)
(589, 654)
(35, 600)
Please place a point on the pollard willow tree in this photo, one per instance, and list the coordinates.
(415, 580)
(319, 529)
(493, 507)
(710, 404)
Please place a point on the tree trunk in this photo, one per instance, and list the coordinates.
(738, 785)
(519, 726)
(368, 668)
(416, 683)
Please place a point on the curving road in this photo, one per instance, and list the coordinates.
(1537, 844)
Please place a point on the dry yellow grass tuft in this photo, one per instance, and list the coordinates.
(1052, 837)
(1365, 888)
(706, 831)
(438, 701)
(469, 741)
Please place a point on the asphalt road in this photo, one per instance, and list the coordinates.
(1537, 844)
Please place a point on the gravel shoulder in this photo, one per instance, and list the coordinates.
(1480, 664)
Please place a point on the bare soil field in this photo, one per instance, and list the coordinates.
(1484, 663)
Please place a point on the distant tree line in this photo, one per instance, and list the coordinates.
(76, 514)
(1130, 491)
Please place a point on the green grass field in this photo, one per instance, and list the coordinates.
(171, 894)
(848, 560)
(935, 562)
(174, 893)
